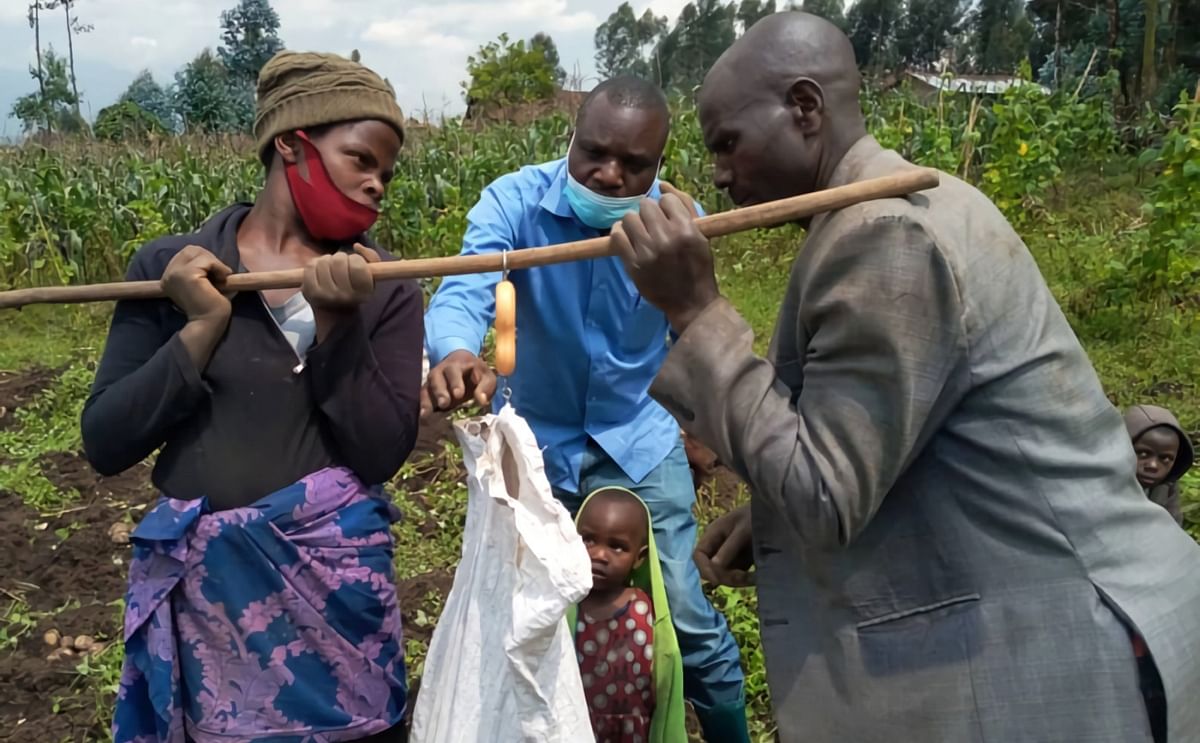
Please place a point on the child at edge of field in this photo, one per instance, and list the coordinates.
(628, 654)
(1164, 454)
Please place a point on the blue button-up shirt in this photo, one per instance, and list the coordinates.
(588, 345)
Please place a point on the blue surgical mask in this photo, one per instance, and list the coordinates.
(597, 210)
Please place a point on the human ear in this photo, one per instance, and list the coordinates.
(288, 147)
(806, 100)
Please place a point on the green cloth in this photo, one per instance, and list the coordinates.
(299, 90)
(669, 724)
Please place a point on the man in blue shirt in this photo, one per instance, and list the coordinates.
(588, 348)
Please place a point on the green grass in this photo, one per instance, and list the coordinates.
(51, 336)
(49, 424)
(98, 678)
(431, 493)
(17, 621)
(752, 272)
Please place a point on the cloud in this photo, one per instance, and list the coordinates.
(473, 17)
(403, 32)
(421, 46)
(668, 8)
(13, 12)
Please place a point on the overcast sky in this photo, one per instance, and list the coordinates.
(420, 45)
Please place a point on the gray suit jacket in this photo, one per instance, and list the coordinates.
(949, 535)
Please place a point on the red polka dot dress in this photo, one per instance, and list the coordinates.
(616, 660)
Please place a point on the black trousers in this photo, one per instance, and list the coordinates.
(1156, 698)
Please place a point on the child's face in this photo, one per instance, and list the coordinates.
(1156, 452)
(614, 533)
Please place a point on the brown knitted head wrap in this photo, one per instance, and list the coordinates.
(298, 90)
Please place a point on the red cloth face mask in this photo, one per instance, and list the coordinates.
(327, 213)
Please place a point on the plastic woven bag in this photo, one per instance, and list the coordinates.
(501, 665)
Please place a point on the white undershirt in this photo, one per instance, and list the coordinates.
(297, 323)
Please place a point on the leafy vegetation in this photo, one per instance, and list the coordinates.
(54, 106)
(250, 37)
(505, 72)
(1170, 257)
(145, 93)
(49, 424)
(127, 120)
(623, 41)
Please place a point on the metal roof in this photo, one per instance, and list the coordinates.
(976, 84)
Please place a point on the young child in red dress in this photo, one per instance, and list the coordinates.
(614, 631)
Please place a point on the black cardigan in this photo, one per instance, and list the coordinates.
(255, 419)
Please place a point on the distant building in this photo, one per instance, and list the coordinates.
(927, 85)
(565, 101)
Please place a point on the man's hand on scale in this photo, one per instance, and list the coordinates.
(461, 377)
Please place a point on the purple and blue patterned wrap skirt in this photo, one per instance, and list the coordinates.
(273, 622)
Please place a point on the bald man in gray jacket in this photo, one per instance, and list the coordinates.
(950, 541)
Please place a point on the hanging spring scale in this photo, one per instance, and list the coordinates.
(506, 330)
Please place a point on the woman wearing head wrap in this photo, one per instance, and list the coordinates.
(261, 602)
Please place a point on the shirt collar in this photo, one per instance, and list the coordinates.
(555, 198)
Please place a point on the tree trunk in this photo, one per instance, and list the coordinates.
(1169, 55)
(1058, 65)
(1114, 24)
(35, 8)
(71, 53)
(1114, 40)
(1148, 80)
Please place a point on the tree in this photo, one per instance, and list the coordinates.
(250, 37)
(622, 42)
(1183, 39)
(150, 97)
(1181, 55)
(125, 120)
(1148, 80)
(52, 107)
(872, 26)
(753, 11)
(1117, 29)
(504, 72)
(926, 30)
(550, 50)
(830, 10)
(204, 97)
(73, 27)
(1002, 34)
(702, 33)
(35, 22)
(1170, 54)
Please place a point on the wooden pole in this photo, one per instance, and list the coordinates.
(1086, 71)
(770, 214)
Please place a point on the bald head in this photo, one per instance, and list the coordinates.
(780, 108)
(782, 48)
